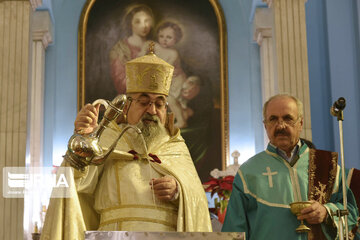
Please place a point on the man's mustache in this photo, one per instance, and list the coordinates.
(150, 117)
(281, 132)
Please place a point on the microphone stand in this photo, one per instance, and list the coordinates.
(337, 111)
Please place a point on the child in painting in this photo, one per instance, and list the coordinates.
(168, 35)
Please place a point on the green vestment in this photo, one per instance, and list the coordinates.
(264, 187)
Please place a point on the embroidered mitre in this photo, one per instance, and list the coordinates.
(149, 74)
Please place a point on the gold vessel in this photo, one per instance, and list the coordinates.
(296, 208)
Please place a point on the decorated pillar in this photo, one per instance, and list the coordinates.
(14, 76)
(41, 37)
(263, 35)
(286, 48)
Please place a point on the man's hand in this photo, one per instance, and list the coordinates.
(164, 188)
(314, 214)
(86, 120)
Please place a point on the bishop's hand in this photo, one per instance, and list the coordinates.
(165, 188)
(86, 120)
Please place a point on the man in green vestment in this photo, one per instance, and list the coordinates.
(287, 171)
(140, 187)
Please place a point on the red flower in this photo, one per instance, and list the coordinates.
(226, 183)
(221, 186)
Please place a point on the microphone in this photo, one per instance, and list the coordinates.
(338, 106)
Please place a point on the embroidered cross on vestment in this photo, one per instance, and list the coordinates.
(269, 174)
(320, 191)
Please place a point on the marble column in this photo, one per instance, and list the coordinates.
(41, 34)
(14, 76)
(263, 27)
(287, 44)
(41, 37)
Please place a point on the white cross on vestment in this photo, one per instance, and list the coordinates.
(269, 174)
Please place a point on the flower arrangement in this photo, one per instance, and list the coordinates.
(223, 187)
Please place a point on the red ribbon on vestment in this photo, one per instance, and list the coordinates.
(133, 152)
(153, 156)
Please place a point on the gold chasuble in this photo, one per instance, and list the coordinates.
(117, 196)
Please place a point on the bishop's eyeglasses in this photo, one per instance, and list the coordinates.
(287, 120)
(145, 102)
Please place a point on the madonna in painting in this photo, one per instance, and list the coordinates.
(137, 23)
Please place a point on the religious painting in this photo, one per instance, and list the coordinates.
(191, 36)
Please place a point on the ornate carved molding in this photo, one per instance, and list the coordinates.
(43, 36)
(41, 28)
(268, 2)
(261, 33)
(35, 4)
(263, 26)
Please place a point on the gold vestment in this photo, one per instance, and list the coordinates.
(117, 196)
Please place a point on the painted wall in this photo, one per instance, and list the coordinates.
(246, 130)
(334, 52)
(333, 46)
(61, 80)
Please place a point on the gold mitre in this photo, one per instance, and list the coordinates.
(148, 74)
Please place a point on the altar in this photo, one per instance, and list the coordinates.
(125, 235)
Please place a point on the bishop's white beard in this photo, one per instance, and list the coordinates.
(153, 132)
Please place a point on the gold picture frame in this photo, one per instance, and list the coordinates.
(221, 105)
